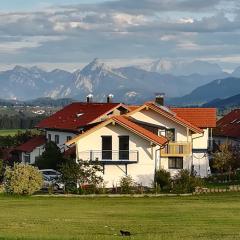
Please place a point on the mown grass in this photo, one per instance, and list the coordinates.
(13, 132)
(10, 132)
(193, 217)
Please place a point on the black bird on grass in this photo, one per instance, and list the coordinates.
(125, 233)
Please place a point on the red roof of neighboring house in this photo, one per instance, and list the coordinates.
(31, 144)
(126, 122)
(229, 125)
(200, 117)
(76, 115)
(172, 115)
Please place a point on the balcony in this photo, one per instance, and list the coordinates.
(177, 149)
(110, 157)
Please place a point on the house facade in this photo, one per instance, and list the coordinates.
(28, 152)
(180, 143)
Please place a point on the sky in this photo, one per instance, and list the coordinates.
(70, 33)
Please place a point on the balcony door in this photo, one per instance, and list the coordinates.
(106, 147)
(123, 147)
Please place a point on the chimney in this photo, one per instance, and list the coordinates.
(110, 98)
(89, 98)
(159, 99)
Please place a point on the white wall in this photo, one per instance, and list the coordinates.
(62, 137)
(150, 116)
(35, 153)
(200, 140)
(142, 172)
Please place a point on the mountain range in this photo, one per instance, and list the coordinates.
(131, 84)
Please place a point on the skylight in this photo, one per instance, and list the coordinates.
(79, 114)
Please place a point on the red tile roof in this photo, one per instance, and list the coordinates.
(133, 107)
(200, 117)
(76, 115)
(31, 144)
(173, 116)
(229, 125)
(127, 123)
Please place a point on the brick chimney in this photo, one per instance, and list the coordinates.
(89, 98)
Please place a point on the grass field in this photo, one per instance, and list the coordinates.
(192, 217)
(12, 132)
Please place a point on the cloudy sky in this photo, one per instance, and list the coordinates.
(70, 33)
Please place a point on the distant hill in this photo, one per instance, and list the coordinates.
(42, 102)
(230, 102)
(217, 89)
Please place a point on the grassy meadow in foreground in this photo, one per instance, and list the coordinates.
(192, 217)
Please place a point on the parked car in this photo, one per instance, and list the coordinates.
(51, 173)
(51, 177)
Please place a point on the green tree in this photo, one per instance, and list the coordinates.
(51, 158)
(80, 173)
(22, 179)
(223, 159)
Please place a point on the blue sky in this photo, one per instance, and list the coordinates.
(70, 33)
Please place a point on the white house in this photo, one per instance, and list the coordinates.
(150, 137)
(28, 152)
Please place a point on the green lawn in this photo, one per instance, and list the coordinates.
(12, 132)
(193, 217)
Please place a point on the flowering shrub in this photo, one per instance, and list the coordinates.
(22, 179)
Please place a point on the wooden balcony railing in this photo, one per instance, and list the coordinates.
(177, 149)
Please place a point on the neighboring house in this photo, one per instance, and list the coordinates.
(149, 137)
(28, 152)
(77, 118)
(228, 129)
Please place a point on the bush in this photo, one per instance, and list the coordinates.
(184, 182)
(81, 173)
(126, 184)
(163, 179)
(22, 179)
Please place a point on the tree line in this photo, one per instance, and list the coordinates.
(19, 122)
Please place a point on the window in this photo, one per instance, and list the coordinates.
(49, 137)
(123, 147)
(175, 163)
(162, 132)
(170, 134)
(26, 158)
(107, 147)
(69, 138)
(57, 139)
